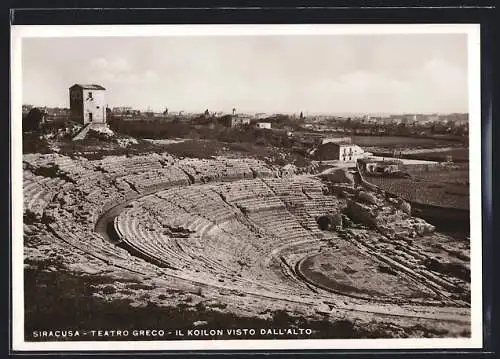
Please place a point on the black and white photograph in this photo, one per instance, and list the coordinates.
(243, 187)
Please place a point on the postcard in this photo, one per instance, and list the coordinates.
(214, 187)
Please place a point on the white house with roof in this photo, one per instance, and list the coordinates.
(339, 151)
(87, 103)
(265, 125)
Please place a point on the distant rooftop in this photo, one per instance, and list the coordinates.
(339, 143)
(89, 86)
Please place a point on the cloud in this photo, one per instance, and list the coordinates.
(389, 73)
(150, 75)
(99, 63)
(367, 83)
(120, 65)
(118, 70)
(128, 78)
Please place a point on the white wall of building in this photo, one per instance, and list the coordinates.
(350, 152)
(94, 106)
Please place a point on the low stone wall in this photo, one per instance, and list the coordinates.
(420, 167)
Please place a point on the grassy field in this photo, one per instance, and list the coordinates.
(457, 154)
(429, 149)
(390, 141)
(434, 193)
(460, 176)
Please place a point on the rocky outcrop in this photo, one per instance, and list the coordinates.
(125, 142)
(404, 206)
(288, 170)
(361, 213)
(390, 217)
(368, 198)
(338, 176)
(330, 222)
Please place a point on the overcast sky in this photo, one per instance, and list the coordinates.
(420, 73)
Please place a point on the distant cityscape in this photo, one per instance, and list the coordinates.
(455, 124)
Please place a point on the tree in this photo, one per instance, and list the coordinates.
(401, 128)
(34, 120)
(348, 123)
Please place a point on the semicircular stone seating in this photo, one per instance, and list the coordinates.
(233, 231)
(224, 221)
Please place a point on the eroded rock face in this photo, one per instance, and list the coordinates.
(338, 176)
(125, 142)
(330, 222)
(404, 206)
(421, 227)
(361, 213)
(368, 198)
(100, 133)
(341, 190)
(288, 170)
(390, 217)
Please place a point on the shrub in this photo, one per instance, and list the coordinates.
(109, 289)
(33, 143)
(29, 217)
(136, 286)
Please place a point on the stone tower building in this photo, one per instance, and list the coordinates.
(87, 104)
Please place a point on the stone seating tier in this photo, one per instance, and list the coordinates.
(209, 219)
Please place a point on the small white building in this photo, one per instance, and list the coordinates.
(334, 151)
(265, 125)
(87, 103)
(349, 152)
